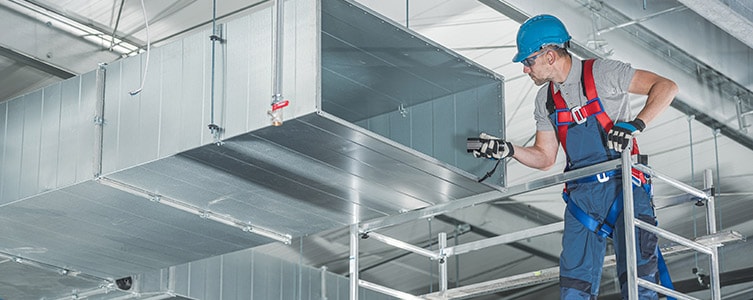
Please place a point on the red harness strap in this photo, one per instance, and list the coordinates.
(566, 116)
(587, 75)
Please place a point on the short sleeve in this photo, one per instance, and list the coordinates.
(540, 113)
(612, 77)
(612, 80)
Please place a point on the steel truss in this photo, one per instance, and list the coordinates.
(706, 244)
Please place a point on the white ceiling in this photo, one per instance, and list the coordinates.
(705, 48)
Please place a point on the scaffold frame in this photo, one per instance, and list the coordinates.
(705, 244)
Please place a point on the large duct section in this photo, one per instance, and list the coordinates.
(95, 181)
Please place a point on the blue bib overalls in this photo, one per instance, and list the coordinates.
(588, 222)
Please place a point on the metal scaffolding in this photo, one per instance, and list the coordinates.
(630, 222)
(706, 244)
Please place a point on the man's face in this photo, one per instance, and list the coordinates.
(536, 67)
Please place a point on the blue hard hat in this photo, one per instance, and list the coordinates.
(537, 32)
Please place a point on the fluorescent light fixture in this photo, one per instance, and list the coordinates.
(88, 33)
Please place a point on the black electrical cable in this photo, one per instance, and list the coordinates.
(488, 174)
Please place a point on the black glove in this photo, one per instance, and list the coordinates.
(622, 132)
(492, 147)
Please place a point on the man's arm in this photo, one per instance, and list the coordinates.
(542, 154)
(661, 91)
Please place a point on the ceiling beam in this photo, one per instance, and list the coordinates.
(723, 16)
(35, 63)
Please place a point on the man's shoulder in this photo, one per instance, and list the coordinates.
(543, 90)
(606, 65)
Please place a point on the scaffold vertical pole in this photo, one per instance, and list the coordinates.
(442, 262)
(708, 185)
(354, 261)
(629, 228)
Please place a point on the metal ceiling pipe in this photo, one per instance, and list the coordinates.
(646, 18)
(279, 36)
(99, 120)
(277, 100)
(148, 52)
(690, 119)
(214, 129)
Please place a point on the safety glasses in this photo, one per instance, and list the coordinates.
(529, 61)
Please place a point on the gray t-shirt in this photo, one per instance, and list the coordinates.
(612, 79)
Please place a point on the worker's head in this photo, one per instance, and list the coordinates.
(538, 32)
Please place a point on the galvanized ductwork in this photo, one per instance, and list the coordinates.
(109, 184)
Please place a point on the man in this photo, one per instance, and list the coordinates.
(583, 105)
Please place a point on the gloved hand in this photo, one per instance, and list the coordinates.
(622, 132)
(493, 147)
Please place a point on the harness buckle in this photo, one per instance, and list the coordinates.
(578, 115)
(636, 181)
(638, 177)
(602, 177)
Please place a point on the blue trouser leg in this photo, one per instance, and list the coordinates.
(646, 245)
(581, 261)
(582, 256)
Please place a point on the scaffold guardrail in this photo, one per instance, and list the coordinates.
(707, 244)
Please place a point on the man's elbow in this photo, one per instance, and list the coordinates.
(673, 87)
(546, 164)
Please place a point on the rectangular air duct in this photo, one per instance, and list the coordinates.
(376, 125)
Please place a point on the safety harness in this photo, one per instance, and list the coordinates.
(565, 118)
(605, 227)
